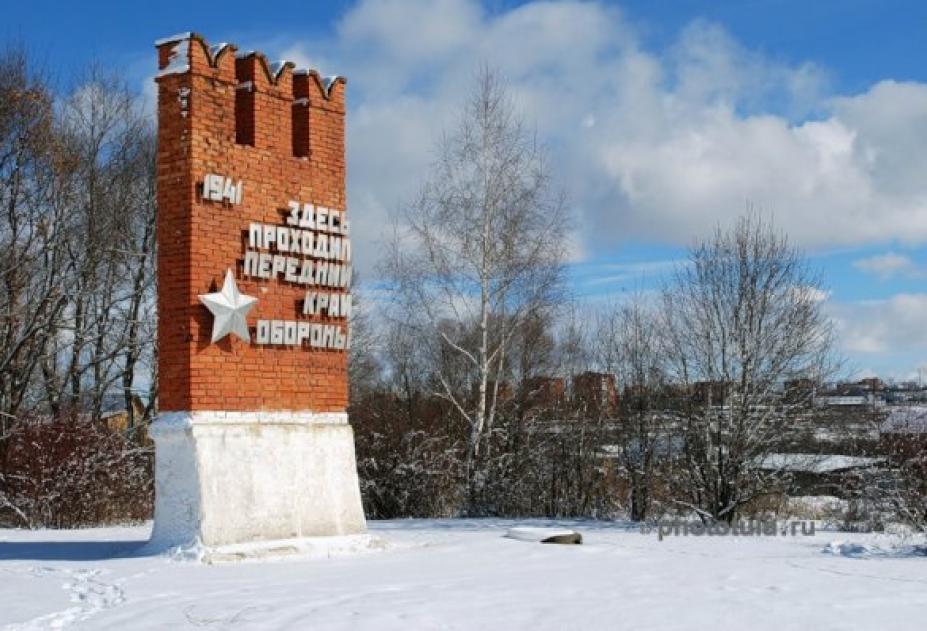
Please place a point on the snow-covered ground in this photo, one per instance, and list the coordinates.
(464, 574)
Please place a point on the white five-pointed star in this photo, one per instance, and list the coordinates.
(228, 309)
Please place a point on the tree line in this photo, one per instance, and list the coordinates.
(77, 290)
(479, 385)
(491, 391)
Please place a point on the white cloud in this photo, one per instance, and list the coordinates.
(611, 273)
(888, 265)
(650, 145)
(410, 33)
(883, 326)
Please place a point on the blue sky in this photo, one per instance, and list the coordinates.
(863, 40)
(859, 41)
(664, 118)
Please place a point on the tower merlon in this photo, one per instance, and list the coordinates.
(313, 89)
(276, 78)
(190, 52)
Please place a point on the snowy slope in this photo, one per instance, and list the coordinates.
(459, 574)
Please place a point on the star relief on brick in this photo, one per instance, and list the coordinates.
(229, 308)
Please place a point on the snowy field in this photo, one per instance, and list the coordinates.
(462, 574)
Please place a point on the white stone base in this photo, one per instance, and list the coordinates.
(224, 478)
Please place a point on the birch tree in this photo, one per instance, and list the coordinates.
(478, 251)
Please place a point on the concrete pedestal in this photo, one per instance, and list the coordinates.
(226, 478)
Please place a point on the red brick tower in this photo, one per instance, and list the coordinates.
(252, 439)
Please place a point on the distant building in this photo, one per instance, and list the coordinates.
(906, 393)
(115, 415)
(596, 389)
(854, 394)
(544, 391)
(838, 399)
(872, 384)
(798, 390)
(504, 393)
(710, 392)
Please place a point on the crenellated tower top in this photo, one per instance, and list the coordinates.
(273, 135)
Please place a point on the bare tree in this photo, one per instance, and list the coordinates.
(77, 278)
(364, 369)
(743, 321)
(630, 345)
(109, 245)
(31, 256)
(478, 253)
(904, 433)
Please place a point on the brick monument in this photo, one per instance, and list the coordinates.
(254, 264)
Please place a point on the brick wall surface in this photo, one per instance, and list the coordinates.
(198, 240)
